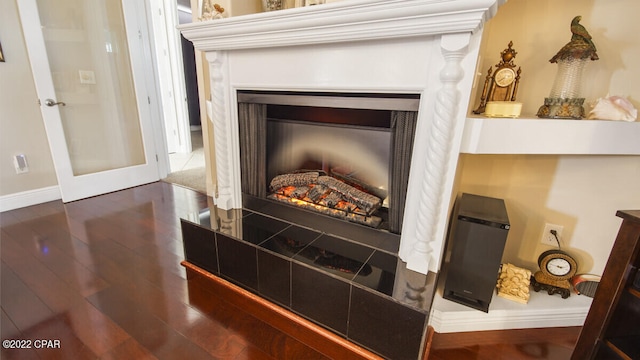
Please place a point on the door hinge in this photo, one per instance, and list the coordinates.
(149, 100)
(157, 158)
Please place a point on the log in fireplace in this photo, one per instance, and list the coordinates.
(327, 194)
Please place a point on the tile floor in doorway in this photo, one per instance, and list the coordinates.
(194, 159)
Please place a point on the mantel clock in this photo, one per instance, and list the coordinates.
(556, 270)
(501, 85)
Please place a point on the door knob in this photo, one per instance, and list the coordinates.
(51, 102)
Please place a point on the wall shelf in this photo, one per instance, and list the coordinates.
(543, 310)
(531, 135)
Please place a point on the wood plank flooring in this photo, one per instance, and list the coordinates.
(103, 276)
(548, 343)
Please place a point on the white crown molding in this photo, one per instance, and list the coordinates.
(28, 198)
(357, 20)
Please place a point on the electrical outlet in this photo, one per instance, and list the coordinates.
(20, 163)
(548, 238)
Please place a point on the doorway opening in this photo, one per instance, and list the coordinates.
(186, 160)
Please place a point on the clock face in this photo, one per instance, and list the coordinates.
(504, 77)
(558, 266)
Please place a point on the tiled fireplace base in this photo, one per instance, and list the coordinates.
(359, 292)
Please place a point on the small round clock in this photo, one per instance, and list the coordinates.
(504, 77)
(557, 265)
(556, 268)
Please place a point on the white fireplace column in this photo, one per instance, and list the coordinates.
(421, 47)
(225, 131)
(419, 250)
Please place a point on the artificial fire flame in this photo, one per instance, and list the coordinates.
(372, 221)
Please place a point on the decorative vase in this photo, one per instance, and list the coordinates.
(568, 81)
(565, 101)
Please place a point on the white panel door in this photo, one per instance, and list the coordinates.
(91, 66)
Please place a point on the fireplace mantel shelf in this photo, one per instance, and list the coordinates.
(356, 20)
(529, 135)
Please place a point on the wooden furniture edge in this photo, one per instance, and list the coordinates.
(613, 280)
(297, 327)
(428, 342)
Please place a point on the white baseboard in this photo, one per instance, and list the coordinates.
(28, 198)
(541, 311)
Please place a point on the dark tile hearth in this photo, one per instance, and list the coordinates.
(382, 269)
(257, 228)
(199, 248)
(237, 260)
(381, 240)
(274, 278)
(290, 241)
(323, 299)
(336, 256)
(394, 329)
(356, 290)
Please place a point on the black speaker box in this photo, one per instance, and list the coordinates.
(478, 233)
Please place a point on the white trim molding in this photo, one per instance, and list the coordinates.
(30, 197)
(542, 311)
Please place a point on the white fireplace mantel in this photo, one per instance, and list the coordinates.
(348, 20)
(425, 47)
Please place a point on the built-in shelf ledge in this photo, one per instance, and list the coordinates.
(531, 135)
(541, 311)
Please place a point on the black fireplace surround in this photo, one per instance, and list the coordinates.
(343, 276)
(354, 290)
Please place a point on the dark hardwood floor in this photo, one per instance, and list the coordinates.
(103, 276)
(548, 343)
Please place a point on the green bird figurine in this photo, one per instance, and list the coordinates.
(580, 47)
(580, 33)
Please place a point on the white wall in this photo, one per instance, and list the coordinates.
(582, 193)
(21, 127)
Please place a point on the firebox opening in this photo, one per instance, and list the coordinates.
(328, 160)
(338, 156)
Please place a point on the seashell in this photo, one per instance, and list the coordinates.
(613, 108)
